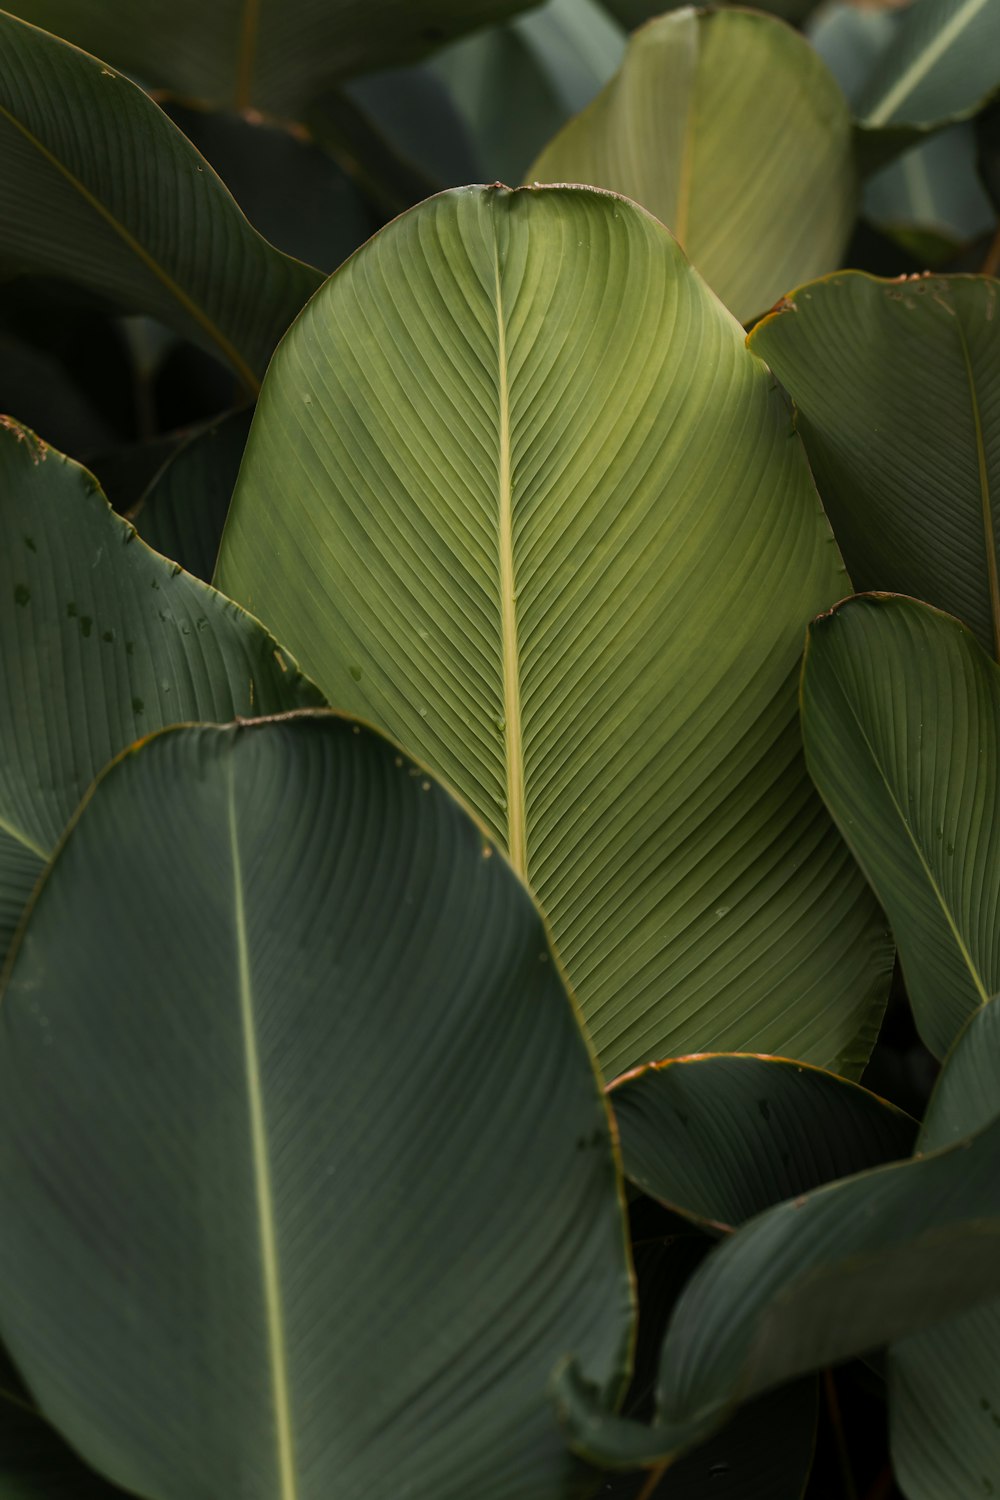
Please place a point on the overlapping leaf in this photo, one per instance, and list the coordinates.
(334, 1233)
(897, 387)
(721, 1138)
(516, 492)
(728, 127)
(101, 642)
(99, 188)
(944, 1384)
(869, 1260)
(272, 55)
(901, 721)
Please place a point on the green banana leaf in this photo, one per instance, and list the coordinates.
(901, 722)
(183, 511)
(719, 1139)
(897, 389)
(516, 493)
(944, 1384)
(270, 55)
(941, 65)
(869, 1260)
(728, 127)
(101, 642)
(99, 188)
(909, 71)
(293, 1086)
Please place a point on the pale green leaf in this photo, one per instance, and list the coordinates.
(516, 492)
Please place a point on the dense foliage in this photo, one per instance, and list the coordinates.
(498, 940)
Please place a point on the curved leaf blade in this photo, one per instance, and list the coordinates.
(543, 522)
(719, 1139)
(101, 642)
(901, 723)
(98, 187)
(897, 388)
(729, 128)
(315, 1263)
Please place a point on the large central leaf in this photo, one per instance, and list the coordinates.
(517, 492)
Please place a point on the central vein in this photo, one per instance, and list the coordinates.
(262, 1179)
(516, 845)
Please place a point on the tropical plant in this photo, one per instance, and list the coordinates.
(498, 941)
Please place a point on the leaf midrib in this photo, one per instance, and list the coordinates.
(197, 313)
(270, 1271)
(938, 893)
(513, 741)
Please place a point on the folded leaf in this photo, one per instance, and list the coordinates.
(815, 1280)
(101, 642)
(897, 387)
(516, 492)
(728, 127)
(901, 720)
(348, 1192)
(99, 188)
(944, 1384)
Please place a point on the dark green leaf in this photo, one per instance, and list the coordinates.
(721, 1138)
(897, 386)
(97, 186)
(334, 1168)
(102, 642)
(901, 722)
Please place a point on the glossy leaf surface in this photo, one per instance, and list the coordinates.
(561, 543)
(901, 720)
(728, 127)
(102, 642)
(335, 1235)
(897, 388)
(721, 1138)
(99, 188)
(272, 55)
